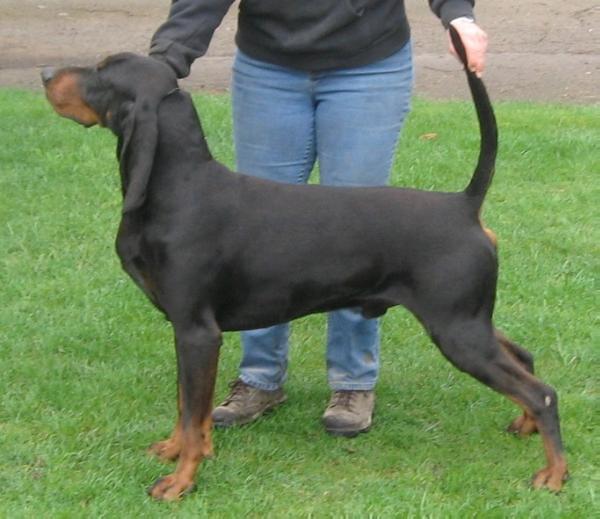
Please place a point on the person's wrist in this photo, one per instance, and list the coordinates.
(466, 19)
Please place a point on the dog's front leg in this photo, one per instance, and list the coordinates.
(197, 357)
(169, 449)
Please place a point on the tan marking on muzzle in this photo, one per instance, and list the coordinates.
(64, 94)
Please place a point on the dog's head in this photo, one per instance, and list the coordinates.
(105, 93)
(122, 93)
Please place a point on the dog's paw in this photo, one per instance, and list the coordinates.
(166, 450)
(551, 478)
(524, 425)
(171, 488)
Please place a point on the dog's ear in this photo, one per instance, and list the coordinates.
(458, 46)
(136, 150)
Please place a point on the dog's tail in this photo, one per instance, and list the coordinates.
(484, 171)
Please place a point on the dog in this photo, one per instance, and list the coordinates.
(193, 234)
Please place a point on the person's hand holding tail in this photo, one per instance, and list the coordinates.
(475, 41)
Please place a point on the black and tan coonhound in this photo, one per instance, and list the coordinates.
(194, 237)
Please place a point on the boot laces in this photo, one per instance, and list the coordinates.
(238, 390)
(344, 399)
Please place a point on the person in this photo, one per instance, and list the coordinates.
(313, 80)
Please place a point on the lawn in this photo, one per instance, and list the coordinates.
(88, 370)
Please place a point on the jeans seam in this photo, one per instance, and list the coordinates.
(305, 173)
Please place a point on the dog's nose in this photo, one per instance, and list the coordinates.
(48, 74)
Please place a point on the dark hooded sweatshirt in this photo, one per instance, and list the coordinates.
(310, 35)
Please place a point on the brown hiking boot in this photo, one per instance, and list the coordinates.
(245, 404)
(349, 412)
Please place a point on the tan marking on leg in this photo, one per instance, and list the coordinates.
(555, 473)
(525, 424)
(169, 449)
(196, 445)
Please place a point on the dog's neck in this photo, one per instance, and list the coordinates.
(180, 134)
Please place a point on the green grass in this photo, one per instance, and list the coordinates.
(87, 365)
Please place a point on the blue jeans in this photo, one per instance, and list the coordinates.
(349, 120)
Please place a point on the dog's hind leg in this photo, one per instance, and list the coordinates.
(524, 425)
(520, 354)
(472, 346)
(198, 346)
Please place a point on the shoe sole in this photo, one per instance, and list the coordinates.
(348, 433)
(251, 418)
